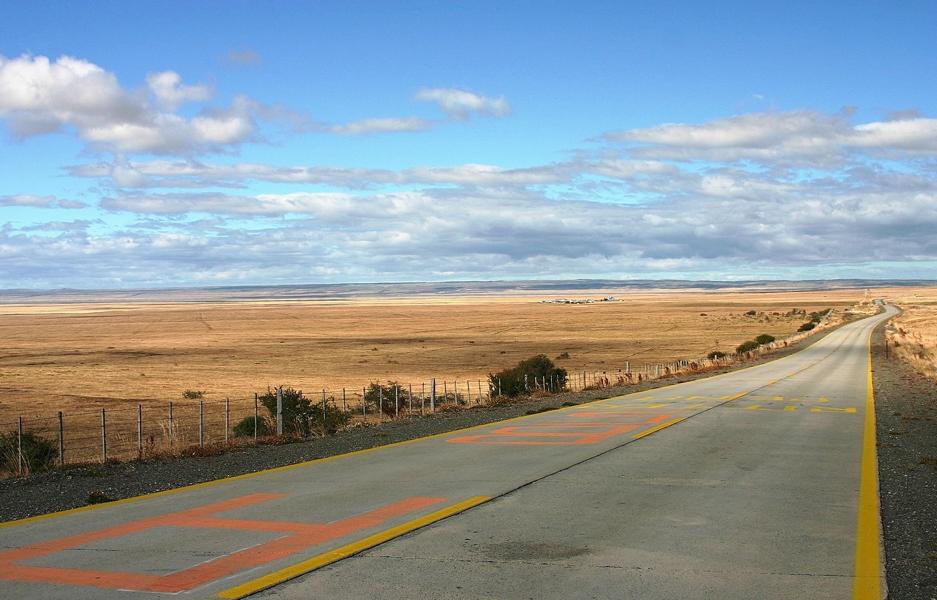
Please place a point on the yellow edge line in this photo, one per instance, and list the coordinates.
(327, 558)
(867, 584)
(204, 484)
(657, 428)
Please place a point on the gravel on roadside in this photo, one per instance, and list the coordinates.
(906, 428)
(76, 486)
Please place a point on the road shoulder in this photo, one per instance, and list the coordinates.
(906, 417)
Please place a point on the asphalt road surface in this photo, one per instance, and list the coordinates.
(759, 483)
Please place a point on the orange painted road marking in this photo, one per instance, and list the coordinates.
(299, 537)
(569, 432)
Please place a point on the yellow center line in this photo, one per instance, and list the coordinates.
(867, 584)
(326, 558)
(657, 428)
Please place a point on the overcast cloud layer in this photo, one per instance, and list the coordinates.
(774, 193)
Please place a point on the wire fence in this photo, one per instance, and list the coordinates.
(152, 429)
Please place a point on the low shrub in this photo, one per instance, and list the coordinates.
(520, 379)
(193, 395)
(807, 326)
(39, 454)
(245, 427)
(376, 391)
(297, 410)
(329, 420)
(764, 338)
(747, 347)
(716, 354)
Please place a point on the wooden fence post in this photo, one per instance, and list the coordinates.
(61, 439)
(139, 431)
(280, 410)
(103, 436)
(201, 423)
(19, 445)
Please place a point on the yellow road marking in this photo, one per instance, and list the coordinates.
(790, 408)
(326, 558)
(833, 409)
(657, 428)
(823, 399)
(867, 584)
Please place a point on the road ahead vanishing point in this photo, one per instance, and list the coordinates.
(760, 483)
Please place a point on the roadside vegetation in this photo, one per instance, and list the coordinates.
(537, 372)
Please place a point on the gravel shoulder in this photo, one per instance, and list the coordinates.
(906, 428)
(72, 486)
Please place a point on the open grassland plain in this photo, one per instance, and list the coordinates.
(91, 356)
(913, 334)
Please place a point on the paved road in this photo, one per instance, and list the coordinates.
(755, 484)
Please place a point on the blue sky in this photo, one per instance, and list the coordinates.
(214, 143)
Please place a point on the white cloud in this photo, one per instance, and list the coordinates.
(197, 174)
(40, 96)
(244, 56)
(781, 136)
(382, 125)
(461, 104)
(34, 201)
(170, 92)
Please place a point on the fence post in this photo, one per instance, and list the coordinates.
(139, 431)
(380, 402)
(364, 404)
(344, 402)
(432, 399)
(61, 439)
(201, 423)
(422, 397)
(227, 418)
(256, 416)
(479, 401)
(445, 391)
(103, 436)
(280, 410)
(410, 400)
(19, 445)
(396, 400)
(324, 413)
(171, 432)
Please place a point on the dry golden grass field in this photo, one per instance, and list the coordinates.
(83, 357)
(914, 332)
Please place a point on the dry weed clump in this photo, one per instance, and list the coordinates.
(913, 334)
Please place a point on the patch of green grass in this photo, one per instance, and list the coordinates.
(98, 497)
(535, 411)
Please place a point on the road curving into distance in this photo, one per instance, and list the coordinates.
(758, 483)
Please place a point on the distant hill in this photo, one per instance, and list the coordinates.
(425, 289)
